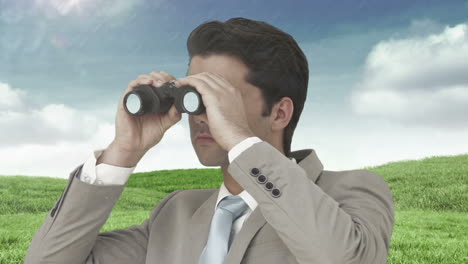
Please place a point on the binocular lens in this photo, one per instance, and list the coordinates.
(191, 101)
(133, 103)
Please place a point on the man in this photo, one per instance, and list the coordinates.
(274, 206)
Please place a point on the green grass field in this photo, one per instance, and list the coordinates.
(431, 206)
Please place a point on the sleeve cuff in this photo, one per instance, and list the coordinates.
(104, 174)
(241, 146)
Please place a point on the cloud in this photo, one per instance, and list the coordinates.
(9, 98)
(53, 139)
(106, 8)
(22, 124)
(420, 81)
(59, 158)
(14, 12)
(345, 142)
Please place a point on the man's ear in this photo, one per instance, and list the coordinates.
(282, 113)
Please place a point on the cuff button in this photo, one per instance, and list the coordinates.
(254, 172)
(269, 186)
(261, 179)
(276, 193)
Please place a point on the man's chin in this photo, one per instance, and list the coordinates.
(210, 164)
(212, 156)
(214, 160)
(217, 162)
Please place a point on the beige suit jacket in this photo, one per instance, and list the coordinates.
(313, 216)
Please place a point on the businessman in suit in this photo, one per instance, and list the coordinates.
(274, 205)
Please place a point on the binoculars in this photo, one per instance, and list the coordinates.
(149, 99)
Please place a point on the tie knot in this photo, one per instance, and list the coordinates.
(233, 204)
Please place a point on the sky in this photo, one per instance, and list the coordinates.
(388, 80)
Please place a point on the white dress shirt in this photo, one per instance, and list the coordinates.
(108, 174)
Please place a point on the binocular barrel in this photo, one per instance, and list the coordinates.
(149, 99)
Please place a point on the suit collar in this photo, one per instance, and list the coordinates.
(200, 221)
(308, 160)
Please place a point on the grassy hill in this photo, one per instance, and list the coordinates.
(430, 195)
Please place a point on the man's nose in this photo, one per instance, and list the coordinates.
(201, 118)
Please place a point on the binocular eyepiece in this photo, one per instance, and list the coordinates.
(149, 99)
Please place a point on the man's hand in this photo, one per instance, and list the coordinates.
(135, 135)
(224, 108)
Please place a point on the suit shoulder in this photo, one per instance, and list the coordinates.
(201, 194)
(359, 187)
(191, 198)
(347, 175)
(350, 178)
(182, 201)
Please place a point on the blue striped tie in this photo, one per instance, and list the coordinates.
(228, 210)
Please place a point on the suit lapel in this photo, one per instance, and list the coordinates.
(199, 227)
(200, 222)
(239, 245)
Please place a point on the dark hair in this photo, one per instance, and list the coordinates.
(277, 66)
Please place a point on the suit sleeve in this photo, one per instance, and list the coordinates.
(70, 233)
(241, 146)
(353, 226)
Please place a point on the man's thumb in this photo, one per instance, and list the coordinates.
(174, 115)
